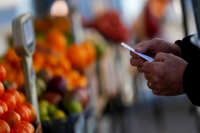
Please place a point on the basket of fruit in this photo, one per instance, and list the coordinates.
(59, 108)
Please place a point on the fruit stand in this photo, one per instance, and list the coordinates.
(76, 75)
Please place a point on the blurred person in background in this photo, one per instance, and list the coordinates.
(175, 69)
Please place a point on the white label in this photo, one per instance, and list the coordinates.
(141, 55)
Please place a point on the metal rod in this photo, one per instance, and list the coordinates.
(183, 6)
(196, 8)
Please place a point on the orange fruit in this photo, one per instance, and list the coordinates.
(52, 60)
(7, 67)
(56, 40)
(77, 56)
(58, 72)
(38, 59)
(72, 79)
(90, 50)
(20, 79)
(82, 82)
(11, 56)
(2, 73)
(66, 65)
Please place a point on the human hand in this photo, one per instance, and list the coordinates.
(165, 74)
(151, 48)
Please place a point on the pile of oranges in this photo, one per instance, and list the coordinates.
(54, 56)
(81, 55)
(12, 64)
(15, 114)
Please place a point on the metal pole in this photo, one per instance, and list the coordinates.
(196, 8)
(183, 6)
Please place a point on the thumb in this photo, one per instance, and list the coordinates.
(141, 47)
(148, 45)
(160, 57)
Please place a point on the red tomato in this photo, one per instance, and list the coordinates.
(15, 93)
(1, 89)
(11, 117)
(4, 106)
(4, 127)
(1, 110)
(2, 73)
(24, 112)
(33, 112)
(23, 128)
(17, 131)
(27, 125)
(10, 101)
(22, 97)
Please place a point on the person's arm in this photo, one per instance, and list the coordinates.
(191, 76)
(191, 82)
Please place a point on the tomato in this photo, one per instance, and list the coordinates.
(15, 93)
(17, 131)
(4, 127)
(2, 73)
(24, 112)
(4, 106)
(1, 110)
(33, 112)
(28, 125)
(22, 97)
(23, 128)
(11, 117)
(10, 101)
(1, 89)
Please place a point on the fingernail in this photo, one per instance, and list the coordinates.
(138, 48)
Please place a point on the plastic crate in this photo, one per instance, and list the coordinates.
(76, 123)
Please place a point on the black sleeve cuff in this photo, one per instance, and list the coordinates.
(190, 52)
(191, 82)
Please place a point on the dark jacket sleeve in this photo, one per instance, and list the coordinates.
(191, 77)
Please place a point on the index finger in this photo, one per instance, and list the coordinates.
(134, 55)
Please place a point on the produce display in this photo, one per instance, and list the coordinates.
(59, 66)
(57, 102)
(55, 54)
(16, 115)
